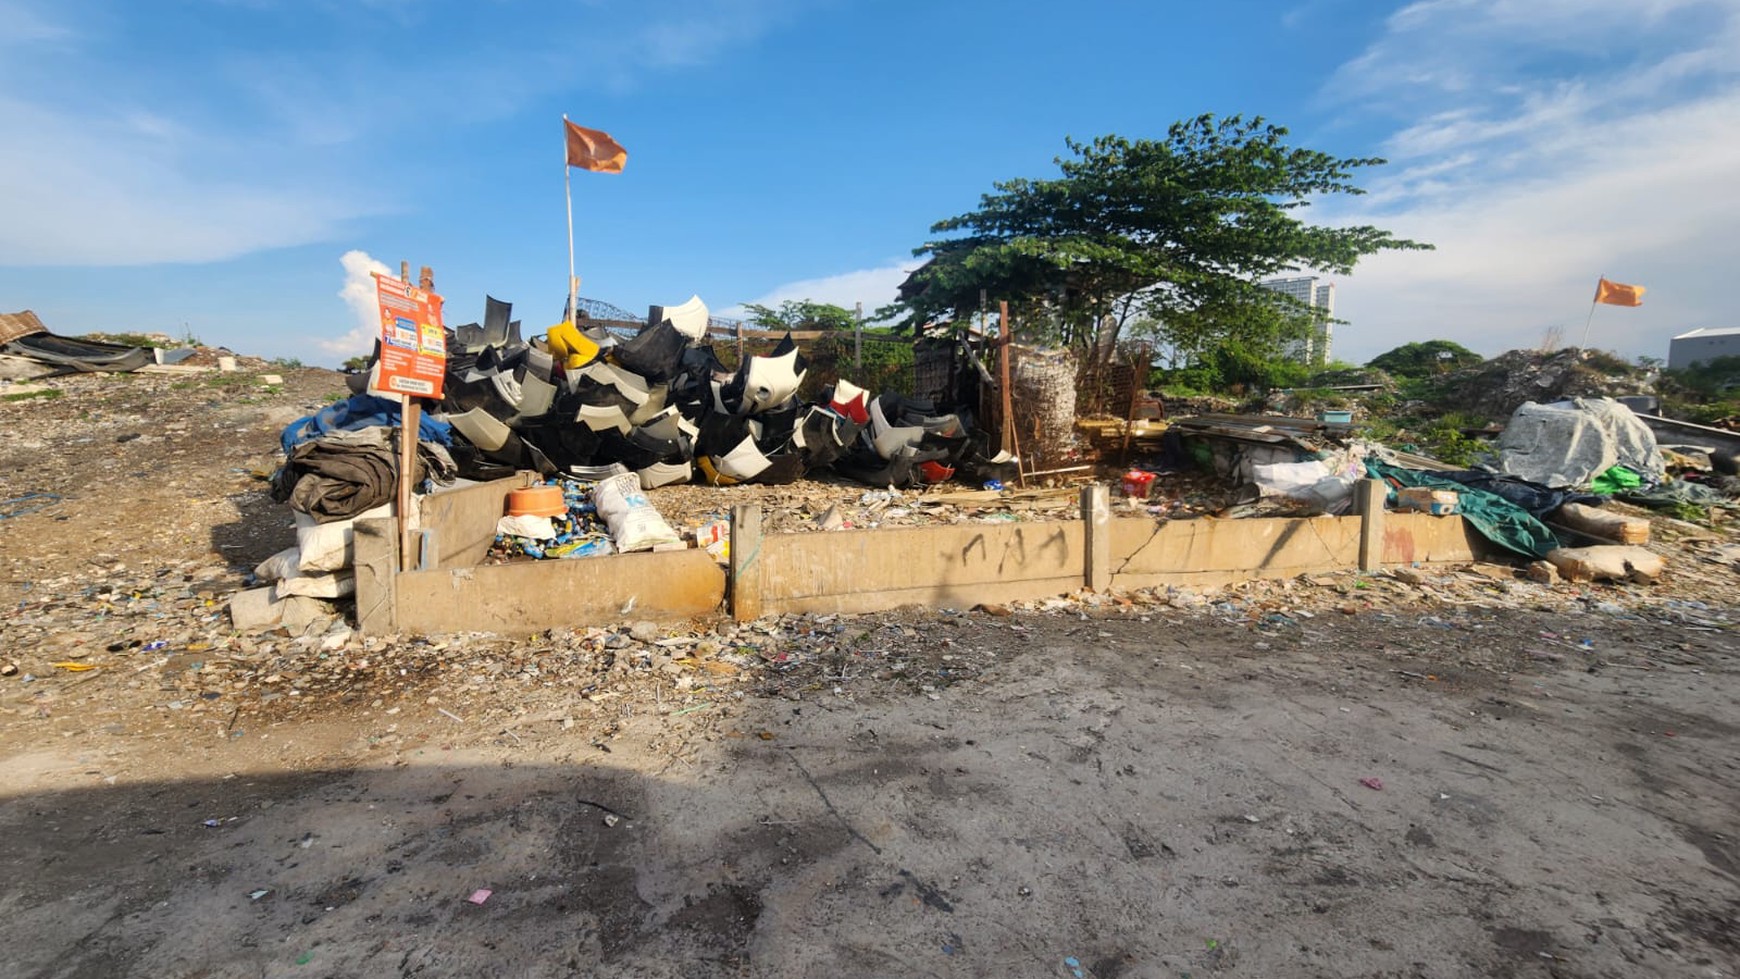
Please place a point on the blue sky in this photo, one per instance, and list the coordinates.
(205, 164)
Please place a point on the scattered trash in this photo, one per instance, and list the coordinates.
(611, 819)
(257, 895)
(1073, 964)
(449, 714)
(1437, 502)
(73, 667)
(1373, 782)
(480, 895)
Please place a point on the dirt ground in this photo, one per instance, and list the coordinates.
(1419, 787)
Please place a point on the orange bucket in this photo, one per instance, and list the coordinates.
(536, 501)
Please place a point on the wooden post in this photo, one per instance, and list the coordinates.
(1003, 376)
(1096, 515)
(1369, 499)
(746, 567)
(410, 418)
(1011, 440)
(1130, 409)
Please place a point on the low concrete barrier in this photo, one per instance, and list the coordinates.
(865, 570)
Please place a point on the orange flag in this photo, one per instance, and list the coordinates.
(592, 150)
(1618, 294)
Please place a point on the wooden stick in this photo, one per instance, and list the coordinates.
(1011, 439)
(410, 419)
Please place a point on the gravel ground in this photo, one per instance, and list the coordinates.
(1445, 773)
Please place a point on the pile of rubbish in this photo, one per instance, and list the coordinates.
(662, 405)
(1505, 383)
(23, 336)
(602, 419)
(1556, 464)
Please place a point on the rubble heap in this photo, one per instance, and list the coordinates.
(1500, 386)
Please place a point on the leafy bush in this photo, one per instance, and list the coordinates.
(1424, 359)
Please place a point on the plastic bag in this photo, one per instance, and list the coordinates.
(634, 524)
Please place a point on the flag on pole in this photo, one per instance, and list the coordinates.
(592, 150)
(1618, 294)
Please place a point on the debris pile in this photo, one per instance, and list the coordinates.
(663, 405)
(23, 337)
(1505, 383)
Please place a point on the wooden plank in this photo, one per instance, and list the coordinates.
(463, 520)
(534, 595)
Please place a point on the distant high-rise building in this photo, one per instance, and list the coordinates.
(1320, 296)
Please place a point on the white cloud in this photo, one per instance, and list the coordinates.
(1534, 182)
(873, 287)
(123, 150)
(359, 294)
(21, 25)
(128, 190)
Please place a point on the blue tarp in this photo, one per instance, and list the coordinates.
(360, 411)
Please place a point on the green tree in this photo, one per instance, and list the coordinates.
(800, 314)
(1424, 359)
(1173, 234)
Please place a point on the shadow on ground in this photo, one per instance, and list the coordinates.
(1087, 806)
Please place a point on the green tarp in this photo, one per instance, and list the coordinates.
(1494, 517)
(1615, 480)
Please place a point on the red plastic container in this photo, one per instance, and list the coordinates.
(1137, 483)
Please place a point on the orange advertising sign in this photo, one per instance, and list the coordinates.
(413, 343)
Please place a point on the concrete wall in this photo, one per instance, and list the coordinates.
(956, 566)
(1204, 552)
(869, 570)
(458, 526)
(532, 596)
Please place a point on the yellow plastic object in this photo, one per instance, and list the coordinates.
(710, 474)
(72, 667)
(568, 345)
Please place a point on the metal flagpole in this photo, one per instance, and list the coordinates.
(568, 190)
(1592, 304)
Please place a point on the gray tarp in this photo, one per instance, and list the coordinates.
(1569, 443)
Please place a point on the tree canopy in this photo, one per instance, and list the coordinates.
(1424, 359)
(800, 314)
(1172, 234)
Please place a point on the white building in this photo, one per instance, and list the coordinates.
(1703, 343)
(1314, 292)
